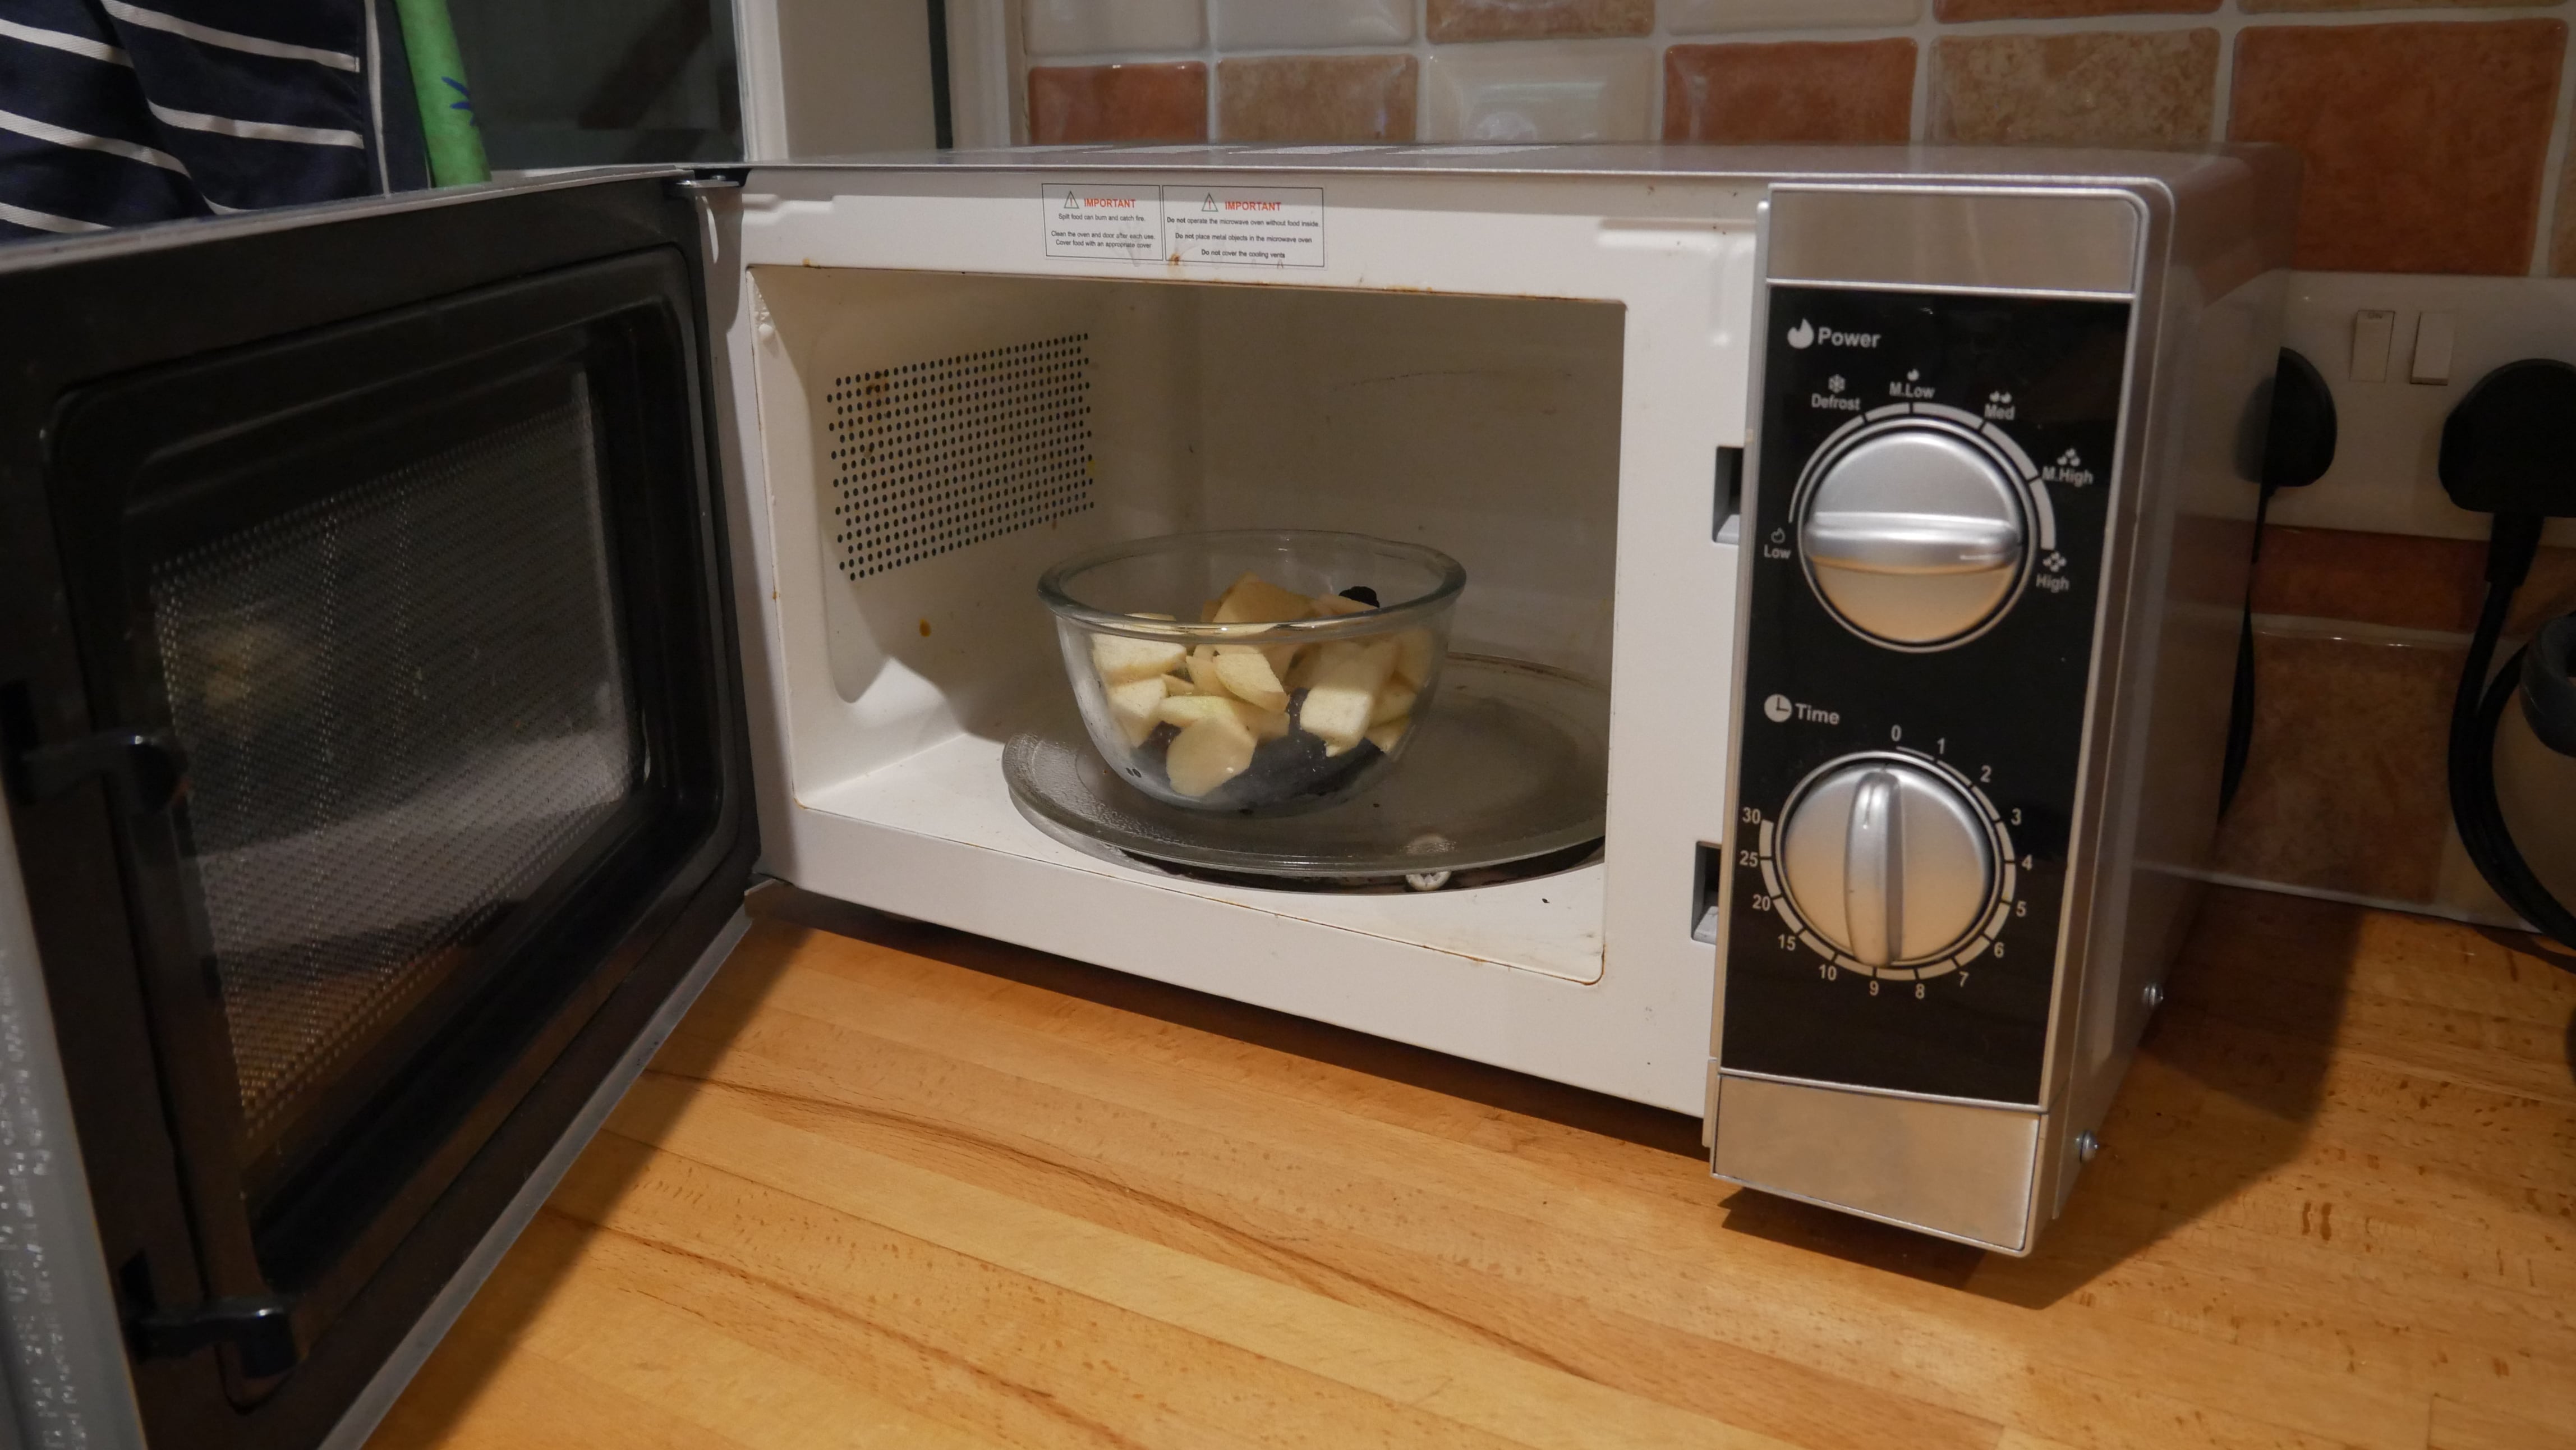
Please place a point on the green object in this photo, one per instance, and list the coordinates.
(446, 106)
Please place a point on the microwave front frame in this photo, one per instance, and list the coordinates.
(1676, 254)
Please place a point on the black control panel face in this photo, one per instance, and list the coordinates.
(2020, 397)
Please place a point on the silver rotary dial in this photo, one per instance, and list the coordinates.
(1887, 861)
(1913, 533)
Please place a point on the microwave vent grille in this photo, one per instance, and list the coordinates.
(929, 457)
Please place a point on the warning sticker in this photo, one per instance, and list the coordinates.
(1271, 226)
(1112, 223)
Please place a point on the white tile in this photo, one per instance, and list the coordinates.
(1699, 17)
(1100, 27)
(1278, 24)
(1539, 91)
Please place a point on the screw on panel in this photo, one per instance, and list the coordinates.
(2086, 1146)
(2153, 995)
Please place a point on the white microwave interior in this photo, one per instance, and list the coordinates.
(941, 439)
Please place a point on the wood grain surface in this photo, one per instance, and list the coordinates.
(894, 1186)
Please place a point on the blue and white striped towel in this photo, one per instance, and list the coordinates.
(114, 112)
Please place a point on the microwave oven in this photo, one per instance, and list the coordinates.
(425, 615)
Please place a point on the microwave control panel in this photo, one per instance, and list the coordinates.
(1926, 546)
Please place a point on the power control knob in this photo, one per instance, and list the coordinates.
(1913, 533)
(1887, 861)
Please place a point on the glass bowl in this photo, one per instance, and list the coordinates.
(1253, 671)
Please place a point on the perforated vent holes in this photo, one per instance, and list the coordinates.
(933, 456)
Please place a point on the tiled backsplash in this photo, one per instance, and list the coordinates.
(2434, 138)
(2428, 125)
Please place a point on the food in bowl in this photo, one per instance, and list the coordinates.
(1279, 695)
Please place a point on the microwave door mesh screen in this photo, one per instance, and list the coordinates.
(403, 705)
(932, 456)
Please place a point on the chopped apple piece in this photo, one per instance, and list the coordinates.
(1247, 675)
(1264, 724)
(1134, 705)
(1121, 660)
(1385, 733)
(1343, 696)
(1207, 611)
(1334, 606)
(1178, 685)
(1414, 653)
(1202, 670)
(1188, 710)
(1207, 753)
(1394, 702)
(1255, 600)
(1302, 673)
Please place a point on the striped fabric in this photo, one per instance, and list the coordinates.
(114, 112)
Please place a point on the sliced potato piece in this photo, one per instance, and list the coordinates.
(1394, 702)
(1414, 652)
(1135, 705)
(1247, 675)
(1207, 753)
(1120, 659)
(1334, 606)
(1385, 733)
(1255, 600)
(1343, 697)
(1178, 685)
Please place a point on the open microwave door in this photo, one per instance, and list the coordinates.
(377, 777)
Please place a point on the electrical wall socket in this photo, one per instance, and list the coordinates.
(2371, 334)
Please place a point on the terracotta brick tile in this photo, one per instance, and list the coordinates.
(2562, 244)
(1316, 98)
(2096, 88)
(2260, 6)
(1450, 20)
(1700, 17)
(1849, 91)
(1118, 103)
(2398, 579)
(2343, 783)
(1957, 10)
(2424, 143)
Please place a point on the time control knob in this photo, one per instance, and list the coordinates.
(1887, 861)
(1913, 533)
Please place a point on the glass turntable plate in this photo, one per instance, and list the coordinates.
(1513, 765)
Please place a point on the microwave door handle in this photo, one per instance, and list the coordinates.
(145, 773)
(260, 1328)
(144, 776)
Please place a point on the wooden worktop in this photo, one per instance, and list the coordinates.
(904, 1187)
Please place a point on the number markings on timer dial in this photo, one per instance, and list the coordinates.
(1989, 920)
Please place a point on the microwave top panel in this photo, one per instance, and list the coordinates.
(2216, 171)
